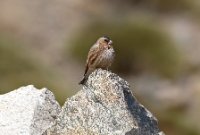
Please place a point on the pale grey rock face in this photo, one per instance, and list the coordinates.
(27, 111)
(105, 106)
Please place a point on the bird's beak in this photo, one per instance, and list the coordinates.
(110, 42)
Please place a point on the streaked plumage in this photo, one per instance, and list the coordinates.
(101, 55)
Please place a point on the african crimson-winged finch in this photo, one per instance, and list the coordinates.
(101, 55)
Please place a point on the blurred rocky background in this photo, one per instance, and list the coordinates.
(157, 43)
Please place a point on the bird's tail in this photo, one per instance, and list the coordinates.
(83, 81)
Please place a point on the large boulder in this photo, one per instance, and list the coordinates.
(27, 111)
(104, 106)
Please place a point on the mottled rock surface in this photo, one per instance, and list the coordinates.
(105, 106)
(27, 111)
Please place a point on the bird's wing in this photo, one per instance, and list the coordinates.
(92, 55)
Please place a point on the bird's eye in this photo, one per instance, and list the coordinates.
(106, 40)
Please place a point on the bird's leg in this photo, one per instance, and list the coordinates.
(107, 73)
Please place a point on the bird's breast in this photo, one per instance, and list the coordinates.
(108, 54)
(107, 58)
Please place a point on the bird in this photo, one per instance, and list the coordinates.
(101, 55)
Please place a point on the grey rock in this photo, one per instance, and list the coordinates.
(27, 111)
(104, 106)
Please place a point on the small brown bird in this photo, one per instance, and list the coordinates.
(101, 55)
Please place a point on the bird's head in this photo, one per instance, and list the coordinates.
(105, 41)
